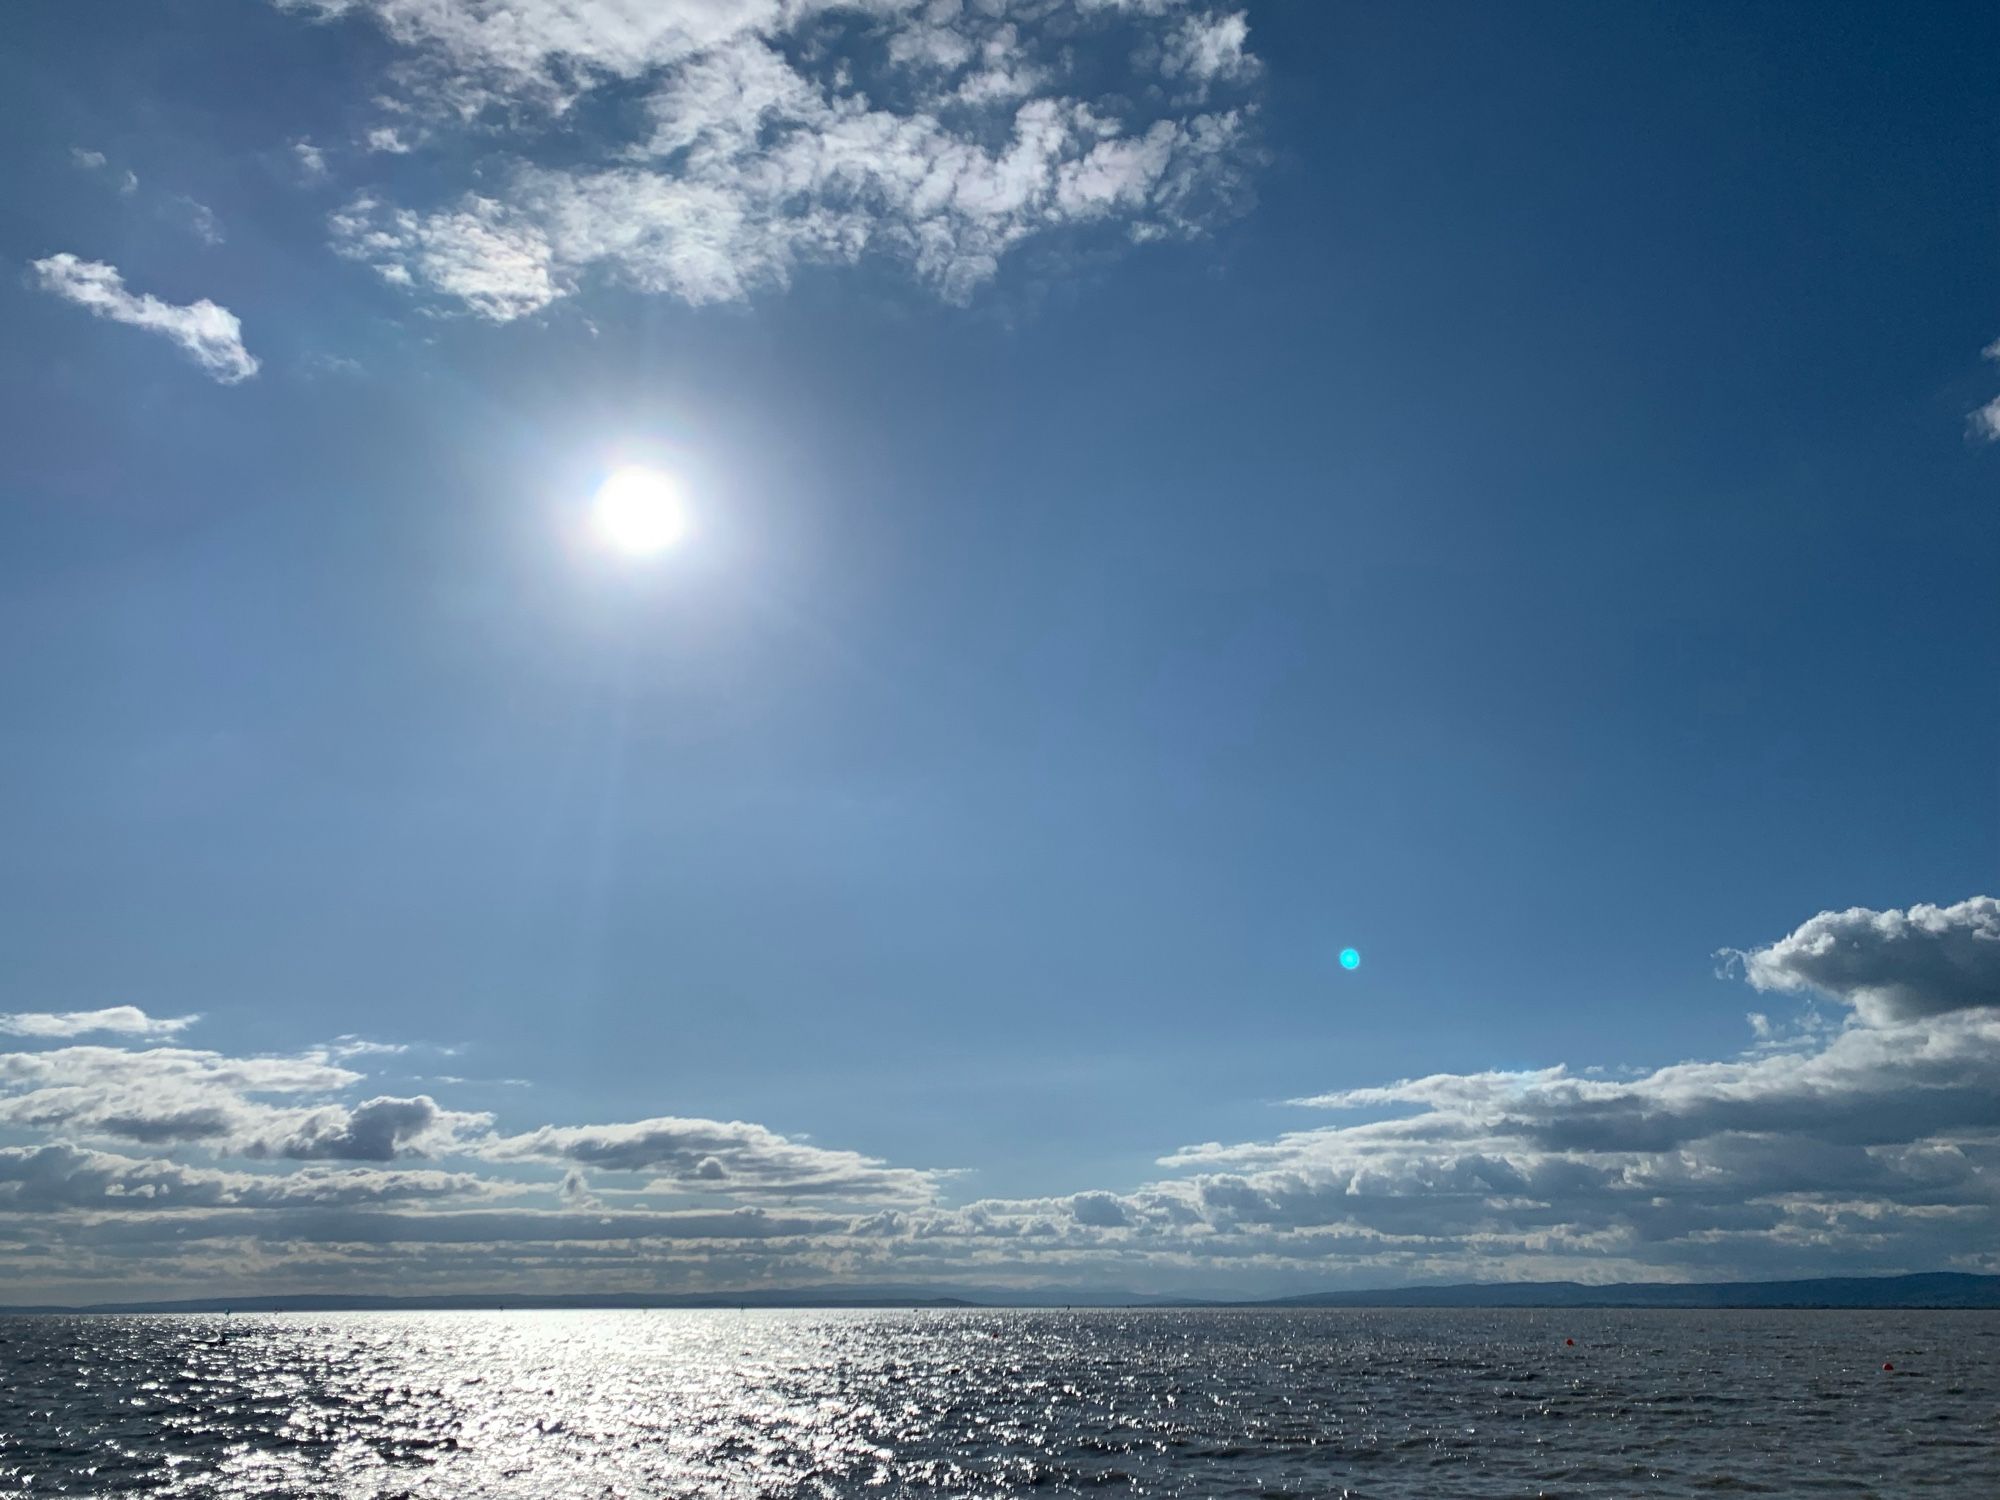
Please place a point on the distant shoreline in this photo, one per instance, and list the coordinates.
(1941, 1291)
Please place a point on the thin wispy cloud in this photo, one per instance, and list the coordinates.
(310, 159)
(125, 179)
(769, 138)
(128, 1019)
(208, 332)
(200, 220)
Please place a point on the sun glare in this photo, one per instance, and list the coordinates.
(639, 512)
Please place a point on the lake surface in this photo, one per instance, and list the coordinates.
(766, 1403)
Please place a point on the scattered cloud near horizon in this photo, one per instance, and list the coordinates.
(708, 149)
(210, 333)
(1862, 1134)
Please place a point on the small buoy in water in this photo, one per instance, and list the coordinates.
(1570, 1342)
(1887, 1366)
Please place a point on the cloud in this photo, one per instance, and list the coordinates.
(201, 220)
(348, 1045)
(122, 1018)
(772, 136)
(1099, 1210)
(575, 1191)
(210, 333)
(380, 1129)
(715, 1156)
(1870, 1144)
(255, 1108)
(96, 161)
(478, 254)
(1984, 423)
(1209, 48)
(1890, 965)
(311, 160)
(64, 1177)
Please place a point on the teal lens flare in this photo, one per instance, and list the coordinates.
(1350, 958)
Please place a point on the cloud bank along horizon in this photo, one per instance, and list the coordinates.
(1859, 1134)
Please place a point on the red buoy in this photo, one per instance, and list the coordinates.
(1570, 1342)
(1887, 1366)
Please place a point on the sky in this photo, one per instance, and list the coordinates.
(1174, 489)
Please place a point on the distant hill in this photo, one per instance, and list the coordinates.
(1928, 1289)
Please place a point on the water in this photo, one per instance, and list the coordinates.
(1381, 1404)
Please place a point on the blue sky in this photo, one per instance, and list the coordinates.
(1177, 489)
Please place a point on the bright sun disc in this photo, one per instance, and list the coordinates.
(639, 512)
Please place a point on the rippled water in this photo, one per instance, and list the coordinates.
(762, 1403)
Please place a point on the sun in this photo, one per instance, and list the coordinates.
(639, 512)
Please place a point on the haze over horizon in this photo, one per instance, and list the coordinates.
(718, 644)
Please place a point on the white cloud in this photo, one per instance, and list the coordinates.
(1984, 423)
(345, 1047)
(497, 266)
(783, 133)
(1209, 48)
(1890, 965)
(67, 1023)
(166, 1096)
(45, 1178)
(201, 220)
(716, 1156)
(387, 140)
(96, 161)
(210, 333)
(311, 160)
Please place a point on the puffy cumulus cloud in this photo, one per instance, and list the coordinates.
(715, 1156)
(161, 1095)
(1890, 965)
(174, 1096)
(772, 134)
(128, 1019)
(1099, 1210)
(210, 333)
(379, 1129)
